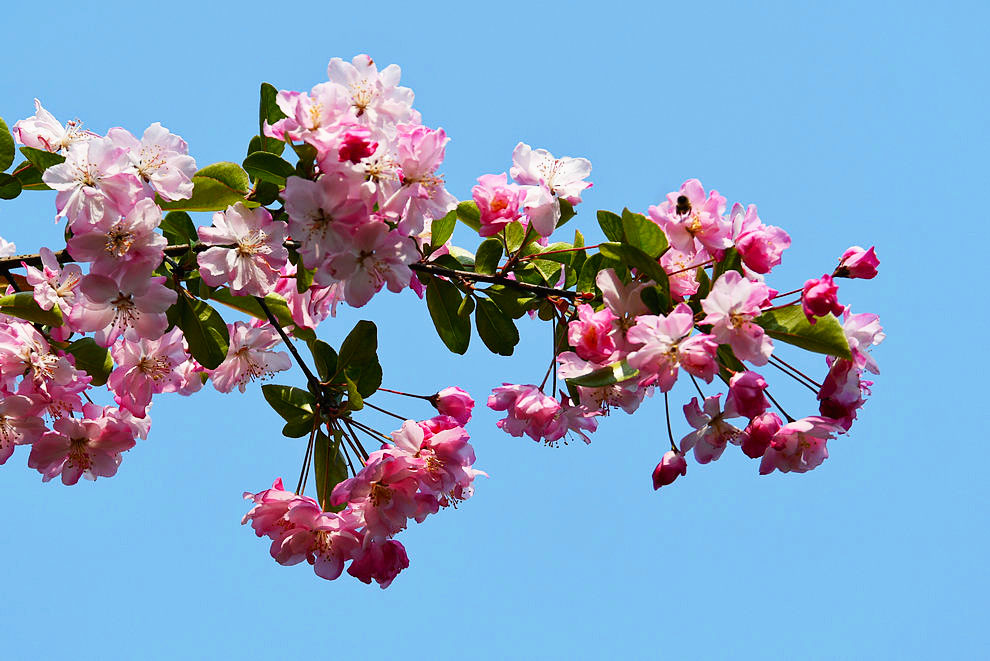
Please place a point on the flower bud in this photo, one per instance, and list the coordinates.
(454, 402)
(857, 263)
(758, 434)
(819, 297)
(746, 396)
(672, 465)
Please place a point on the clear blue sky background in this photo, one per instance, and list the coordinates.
(847, 123)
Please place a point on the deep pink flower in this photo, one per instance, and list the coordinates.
(355, 144)
(444, 460)
(799, 446)
(268, 516)
(670, 467)
(251, 267)
(711, 431)
(498, 202)
(755, 439)
(841, 395)
(89, 447)
(759, 245)
(454, 402)
(326, 540)
(819, 297)
(746, 396)
(380, 561)
(692, 221)
(18, 424)
(528, 410)
(857, 263)
(682, 271)
(590, 333)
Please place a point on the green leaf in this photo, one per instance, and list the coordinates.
(634, 257)
(6, 147)
(369, 378)
(298, 428)
(606, 376)
(360, 347)
(611, 225)
(354, 400)
(249, 305)
(29, 177)
(10, 187)
(215, 188)
(511, 301)
(657, 299)
(92, 358)
(178, 228)
(293, 404)
(514, 235)
(790, 325)
(495, 328)
(466, 307)
(264, 143)
(204, 330)
(330, 468)
(487, 258)
(441, 229)
(589, 271)
(304, 279)
(643, 233)
(731, 261)
(443, 299)
(268, 167)
(23, 306)
(324, 358)
(265, 193)
(566, 212)
(268, 111)
(41, 159)
(467, 213)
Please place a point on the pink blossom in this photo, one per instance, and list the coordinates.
(527, 409)
(746, 396)
(380, 561)
(249, 357)
(564, 177)
(571, 418)
(375, 97)
(422, 196)
(692, 221)
(731, 306)
(862, 332)
(841, 395)
(857, 263)
(819, 298)
(251, 267)
(111, 307)
(682, 270)
(123, 248)
(625, 303)
(670, 467)
(268, 516)
(18, 424)
(590, 333)
(755, 439)
(799, 446)
(326, 540)
(322, 215)
(759, 245)
(374, 257)
(43, 131)
(146, 368)
(161, 160)
(454, 402)
(665, 342)
(445, 458)
(498, 202)
(711, 431)
(54, 284)
(627, 395)
(356, 144)
(93, 182)
(25, 352)
(89, 447)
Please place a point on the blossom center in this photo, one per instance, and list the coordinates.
(155, 367)
(252, 244)
(380, 495)
(119, 241)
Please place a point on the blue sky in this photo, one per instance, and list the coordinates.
(846, 123)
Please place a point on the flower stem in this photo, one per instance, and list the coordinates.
(670, 433)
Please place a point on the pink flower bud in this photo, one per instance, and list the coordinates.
(819, 297)
(857, 263)
(758, 434)
(671, 465)
(454, 402)
(498, 202)
(746, 395)
(589, 334)
(356, 144)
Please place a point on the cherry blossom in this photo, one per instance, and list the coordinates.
(43, 131)
(251, 267)
(857, 263)
(249, 357)
(161, 160)
(711, 432)
(730, 308)
(799, 446)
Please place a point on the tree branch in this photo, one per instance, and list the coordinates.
(426, 267)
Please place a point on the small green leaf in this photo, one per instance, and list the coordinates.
(731, 261)
(268, 111)
(41, 159)
(298, 428)
(265, 193)
(495, 328)
(487, 258)
(369, 378)
(330, 468)
(514, 235)
(10, 187)
(360, 347)
(466, 307)
(268, 167)
(443, 300)
(204, 330)
(606, 376)
(178, 228)
(589, 271)
(511, 301)
(264, 143)
(293, 404)
(611, 225)
(249, 305)
(791, 325)
(29, 177)
(566, 212)
(643, 233)
(634, 257)
(215, 188)
(324, 358)
(6, 147)
(23, 306)
(467, 213)
(441, 229)
(354, 400)
(92, 358)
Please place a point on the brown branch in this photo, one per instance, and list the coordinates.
(434, 269)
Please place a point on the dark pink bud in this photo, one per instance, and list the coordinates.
(381, 561)
(454, 402)
(746, 395)
(841, 395)
(857, 263)
(672, 465)
(819, 297)
(758, 434)
(356, 144)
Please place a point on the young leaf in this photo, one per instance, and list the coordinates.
(443, 299)
(605, 376)
(23, 306)
(566, 212)
(268, 111)
(204, 329)
(467, 213)
(92, 358)
(495, 328)
(442, 229)
(611, 225)
(634, 257)
(215, 188)
(643, 233)
(731, 261)
(790, 325)
(354, 400)
(589, 271)
(488, 255)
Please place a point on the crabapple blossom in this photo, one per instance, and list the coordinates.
(756, 437)
(18, 424)
(546, 180)
(730, 308)
(857, 263)
(454, 402)
(670, 467)
(527, 409)
(251, 266)
(818, 298)
(25, 352)
(324, 539)
(711, 432)
(666, 346)
(590, 333)
(249, 357)
(375, 97)
(799, 446)
(374, 257)
(681, 268)
(759, 245)
(862, 331)
(746, 396)
(87, 447)
(43, 131)
(625, 303)
(7, 249)
(54, 284)
(627, 395)
(146, 368)
(161, 160)
(322, 215)
(110, 307)
(498, 202)
(124, 248)
(691, 221)
(841, 395)
(380, 561)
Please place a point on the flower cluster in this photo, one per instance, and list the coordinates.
(428, 465)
